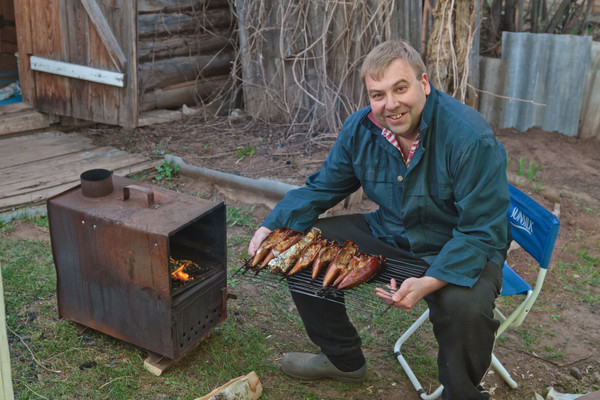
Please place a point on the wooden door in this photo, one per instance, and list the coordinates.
(77, 58)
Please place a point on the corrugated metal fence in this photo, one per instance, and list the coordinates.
(544, 80)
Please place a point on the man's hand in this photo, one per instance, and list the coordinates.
(260, 235)
(410, 292)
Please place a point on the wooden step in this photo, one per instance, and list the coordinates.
(20, 118)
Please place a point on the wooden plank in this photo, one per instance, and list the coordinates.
(23, 122)
(105, 102)
(105, 32)
(6, 388)
(43, 146)
(32, 176)
(122, 105)
(24, 43)
(77, 71)
(52, 92)
(157, 364)
(132, 92)
(15, 108)
(39, 197)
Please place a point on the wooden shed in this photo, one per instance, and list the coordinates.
(111, 61)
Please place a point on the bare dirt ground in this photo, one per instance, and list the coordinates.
(570, 167)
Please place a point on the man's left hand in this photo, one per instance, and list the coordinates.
(410, 292)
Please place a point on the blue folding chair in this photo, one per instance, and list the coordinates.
(535, 229)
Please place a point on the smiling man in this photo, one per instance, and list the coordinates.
(435, 169)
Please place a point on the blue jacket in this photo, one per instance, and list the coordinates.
(448, 208)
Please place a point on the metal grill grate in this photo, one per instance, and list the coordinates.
(361, 297)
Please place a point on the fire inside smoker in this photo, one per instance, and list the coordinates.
(287, 252)
(183, 270)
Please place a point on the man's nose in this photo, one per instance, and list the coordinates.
(391, 102)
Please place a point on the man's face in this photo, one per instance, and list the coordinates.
(398, 98)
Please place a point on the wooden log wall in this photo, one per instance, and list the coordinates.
(185, 51)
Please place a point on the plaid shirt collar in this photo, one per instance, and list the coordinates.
(389, 135)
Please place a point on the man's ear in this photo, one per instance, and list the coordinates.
(425, 83)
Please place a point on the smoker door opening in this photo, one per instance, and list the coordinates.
(198, 251)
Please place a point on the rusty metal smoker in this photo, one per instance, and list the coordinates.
(112, 241)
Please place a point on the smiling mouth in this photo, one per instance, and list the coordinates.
(396, 117)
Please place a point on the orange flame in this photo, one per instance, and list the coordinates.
(178, 274)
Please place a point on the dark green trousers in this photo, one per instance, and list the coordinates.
(462, 318)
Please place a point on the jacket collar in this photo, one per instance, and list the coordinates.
(428, 110)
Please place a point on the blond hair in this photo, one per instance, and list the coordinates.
(381, 56)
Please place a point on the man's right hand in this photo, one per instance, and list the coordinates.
(260, 235)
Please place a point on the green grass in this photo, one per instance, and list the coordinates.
(258, 330)
(241, 216)
(52, 359)
(581, 278)
(115, 368)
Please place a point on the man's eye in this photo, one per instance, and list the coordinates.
(376, 96)
(401, 89)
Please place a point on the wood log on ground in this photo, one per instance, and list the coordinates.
(165, 6)
(247, 387)
(162, 73)
(169, 24)
(550, 193)
(189, 93)
(176, 46)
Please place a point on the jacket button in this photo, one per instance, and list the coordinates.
(400, 178)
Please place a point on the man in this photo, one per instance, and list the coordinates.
(435, 169)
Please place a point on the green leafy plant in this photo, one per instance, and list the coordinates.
(533, 170)
(520, 169)
(167, 170)
(245, 151)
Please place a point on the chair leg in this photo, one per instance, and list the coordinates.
(503, 372)
(411, 376)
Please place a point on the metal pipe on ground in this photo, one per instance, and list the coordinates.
(247, 190)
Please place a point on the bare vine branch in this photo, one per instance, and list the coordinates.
(314, 49)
